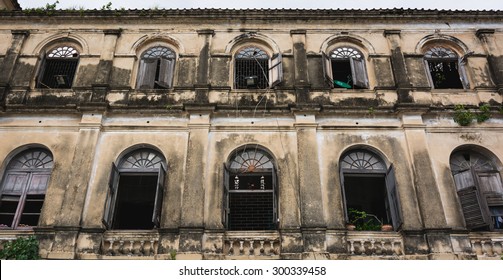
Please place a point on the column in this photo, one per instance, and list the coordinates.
(103, 73)
(398, 66)
(192, 212)
(311, 207)
(300, 64)
(10, 60)
(202, 86)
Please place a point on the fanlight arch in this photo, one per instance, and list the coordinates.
(362, 160)
(142, 159)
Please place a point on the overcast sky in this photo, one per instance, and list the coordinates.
(308, 4)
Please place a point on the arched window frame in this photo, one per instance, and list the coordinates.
(254, 67)
(362, 162)
(24, 184)
(58, 66)
(143, 161)
(156, 67)
(440, 56)
(479, 188)
(247, 162)
(345, 56)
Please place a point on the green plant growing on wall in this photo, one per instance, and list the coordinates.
(172, 254)
(21, 249)
(464, 117)
(49, 9)
(107, 7)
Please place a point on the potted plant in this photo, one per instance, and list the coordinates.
(361, 220)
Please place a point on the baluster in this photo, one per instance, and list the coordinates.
(131, 243)
(111, 248)
(141, 250)
(152, 248)
(231, 247)
(362, 247)
(262, 247)
(251, 247)
(372, 248)
(393, 248)
(352, 247)
(383, 247)
(241, 249)
(272, 247)
(121, 247)
(482, 243)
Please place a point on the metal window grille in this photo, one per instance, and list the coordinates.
(59, 68)
(251, 68)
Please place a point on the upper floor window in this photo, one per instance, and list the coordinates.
(250, 191)
(480, 189)
(368, 185)
(344, 67)
(23, 188)
(135, 191)
(446, 69)
(156, 69)
(58, 68)
(253, 68)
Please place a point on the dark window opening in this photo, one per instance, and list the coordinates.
(497, 216)
(341, 71)
(251, 73)
(368, 193)
(31, 210)
(444, 74)
(8, 208)
(58, 73)
(135, 202)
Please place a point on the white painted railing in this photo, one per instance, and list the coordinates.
(487, 245)
(129, 244)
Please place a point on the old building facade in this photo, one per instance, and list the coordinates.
(236, 134)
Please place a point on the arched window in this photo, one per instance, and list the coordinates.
(23, 188)
(250, 191)
(156, 69)
(135, 191)
(58, 67)
(367, 185)
(344, 67)
(446, 69)
(254, 69)
(479, 188)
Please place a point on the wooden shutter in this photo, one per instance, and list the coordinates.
(394, 202)
(275, 70)
(146, 74)
(462, 73)
(38, 183)
(343, 191)
(41, 73)
(464, 180)
(14, 183)
(166, 72)
(113, 184)
(225, 198)
(359, 72)
(473, 208)
(275, 197)
(327, 69)
(490, 182)
(159, 194)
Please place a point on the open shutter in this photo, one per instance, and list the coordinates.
(472, 206)
(146, 74)
(275, 70)
(327, 69)
(394, 203)
(464, 180)
(41, 73)
(113, 183)
(343, 191)
(358, 72)
(166, 72)
(159, 194)
(225, 199)
(462, 72)
(275, 197)
(490, 182)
